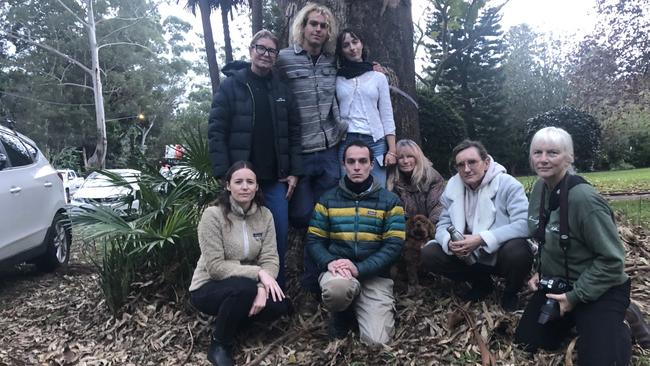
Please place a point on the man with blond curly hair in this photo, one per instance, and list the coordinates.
(308, 65)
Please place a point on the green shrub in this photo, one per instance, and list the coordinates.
(584, 130)
(160, 243)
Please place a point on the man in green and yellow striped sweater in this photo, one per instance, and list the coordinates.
(356, 233)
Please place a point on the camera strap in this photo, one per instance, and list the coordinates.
(555, 200)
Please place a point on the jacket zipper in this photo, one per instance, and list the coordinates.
(253, 121)
(245, 236)
(356, 228)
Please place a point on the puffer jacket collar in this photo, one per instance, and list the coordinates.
(375, 187)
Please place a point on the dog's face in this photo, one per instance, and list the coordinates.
(420, 228)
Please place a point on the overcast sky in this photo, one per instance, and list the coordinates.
(572, 18)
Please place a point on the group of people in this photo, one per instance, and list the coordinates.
(315, 121)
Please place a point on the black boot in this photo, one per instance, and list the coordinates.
(482, 286)
(340, 323)
(638, 326)
(219, 354)
(509, 300)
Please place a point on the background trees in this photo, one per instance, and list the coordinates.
(479, 81)
(51, 96)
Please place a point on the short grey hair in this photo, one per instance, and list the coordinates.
(554, 136)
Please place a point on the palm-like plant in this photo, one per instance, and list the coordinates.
(160, 244)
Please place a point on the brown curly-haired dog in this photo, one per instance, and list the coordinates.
(419, 230)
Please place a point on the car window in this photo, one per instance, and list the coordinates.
(19, 152)
(70, 175)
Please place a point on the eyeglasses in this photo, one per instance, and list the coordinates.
(467, 163)
(261, 50)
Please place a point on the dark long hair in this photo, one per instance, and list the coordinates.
(223, 200)
(339, 45)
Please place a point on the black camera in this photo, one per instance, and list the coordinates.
(551, 308)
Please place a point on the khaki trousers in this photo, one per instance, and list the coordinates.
(373, 301)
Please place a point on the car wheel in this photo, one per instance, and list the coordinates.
(57, 241)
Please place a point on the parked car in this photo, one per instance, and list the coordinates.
(100, 189)
(34, 223)
(71, 182)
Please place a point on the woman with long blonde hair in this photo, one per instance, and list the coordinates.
(416, 182)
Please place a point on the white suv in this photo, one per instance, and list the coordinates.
(34, 224)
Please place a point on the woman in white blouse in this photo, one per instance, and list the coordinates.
(364, 103)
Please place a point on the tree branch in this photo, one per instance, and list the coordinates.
(51, 49)
(124, 43)
(122, 28)
(73, 13)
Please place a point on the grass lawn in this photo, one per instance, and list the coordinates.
(636, 212)
(618, 181)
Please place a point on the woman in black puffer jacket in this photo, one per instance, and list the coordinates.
(254, 118)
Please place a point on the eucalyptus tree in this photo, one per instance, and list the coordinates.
(52, 84)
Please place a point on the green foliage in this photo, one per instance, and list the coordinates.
(51, 98)
(66, 158)
(533, 84)
(466, 67)
(626, 137)
(441, 129)
(582, 127)
(159, 244)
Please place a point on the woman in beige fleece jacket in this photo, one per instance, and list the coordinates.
(235, 277)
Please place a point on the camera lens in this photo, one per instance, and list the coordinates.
(549, 311)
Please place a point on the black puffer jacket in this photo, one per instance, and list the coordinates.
(231, 121)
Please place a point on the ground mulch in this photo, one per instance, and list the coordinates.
(61, 319)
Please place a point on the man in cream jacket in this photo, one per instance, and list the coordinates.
(489, 207)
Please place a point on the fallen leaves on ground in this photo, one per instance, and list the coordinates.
(61, 319)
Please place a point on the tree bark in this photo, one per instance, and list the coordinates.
(225, 10)
(213, 66)
(387, 29)
(256, 14)
(98, 160)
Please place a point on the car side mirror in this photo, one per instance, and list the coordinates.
(3, 161)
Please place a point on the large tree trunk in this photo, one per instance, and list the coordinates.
(225, 10)
(256, 14)
(98, 160)
(387, 28)
(213, 66)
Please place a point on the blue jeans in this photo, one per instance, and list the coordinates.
(321, 172)
(275, 196)
(378, 150)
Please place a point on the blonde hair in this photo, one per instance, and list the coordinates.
(300, 21)
(423, 173)
(263, 33)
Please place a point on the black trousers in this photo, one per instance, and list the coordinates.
(514, 261)
(230, 300)
(603, 338)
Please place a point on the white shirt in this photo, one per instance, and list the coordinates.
(364, 103)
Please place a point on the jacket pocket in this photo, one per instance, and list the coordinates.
(298, 73)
